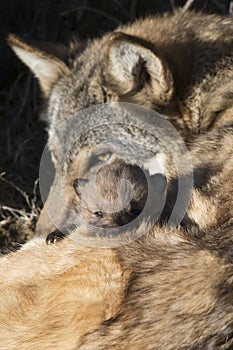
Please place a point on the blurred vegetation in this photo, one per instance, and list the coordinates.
(22, 134)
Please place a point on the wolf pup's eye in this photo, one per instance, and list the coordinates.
(99, 214)
(135, 211)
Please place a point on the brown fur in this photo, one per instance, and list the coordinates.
(179, 294)
(211, 200)
(104, 193)
(179, 65)
(101, 193)
(116, 195)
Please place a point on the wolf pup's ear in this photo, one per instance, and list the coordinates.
(134, 67)
(46, 66)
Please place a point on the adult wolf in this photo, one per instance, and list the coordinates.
(179, 65)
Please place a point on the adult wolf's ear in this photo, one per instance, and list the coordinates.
(134, 67)
(47, 66)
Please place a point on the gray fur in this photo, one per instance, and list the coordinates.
(179, 65)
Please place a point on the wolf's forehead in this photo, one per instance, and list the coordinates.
(78, 89)
(68, 97)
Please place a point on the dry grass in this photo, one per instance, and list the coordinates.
(22, 134)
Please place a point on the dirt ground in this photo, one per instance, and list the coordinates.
(22, 133)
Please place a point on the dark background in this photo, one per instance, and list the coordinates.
(22, 134)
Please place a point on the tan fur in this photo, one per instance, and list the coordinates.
(203, 210)
(50, 296)
(162, 291)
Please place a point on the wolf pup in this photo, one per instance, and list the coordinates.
(115, 195)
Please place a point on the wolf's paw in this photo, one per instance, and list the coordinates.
(55, 236)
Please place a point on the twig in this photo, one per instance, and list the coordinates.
(91, 9)
(25, 196)
(19, 151)
(5, 221)
(34, 198)
(187, 5)
(17, 213)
